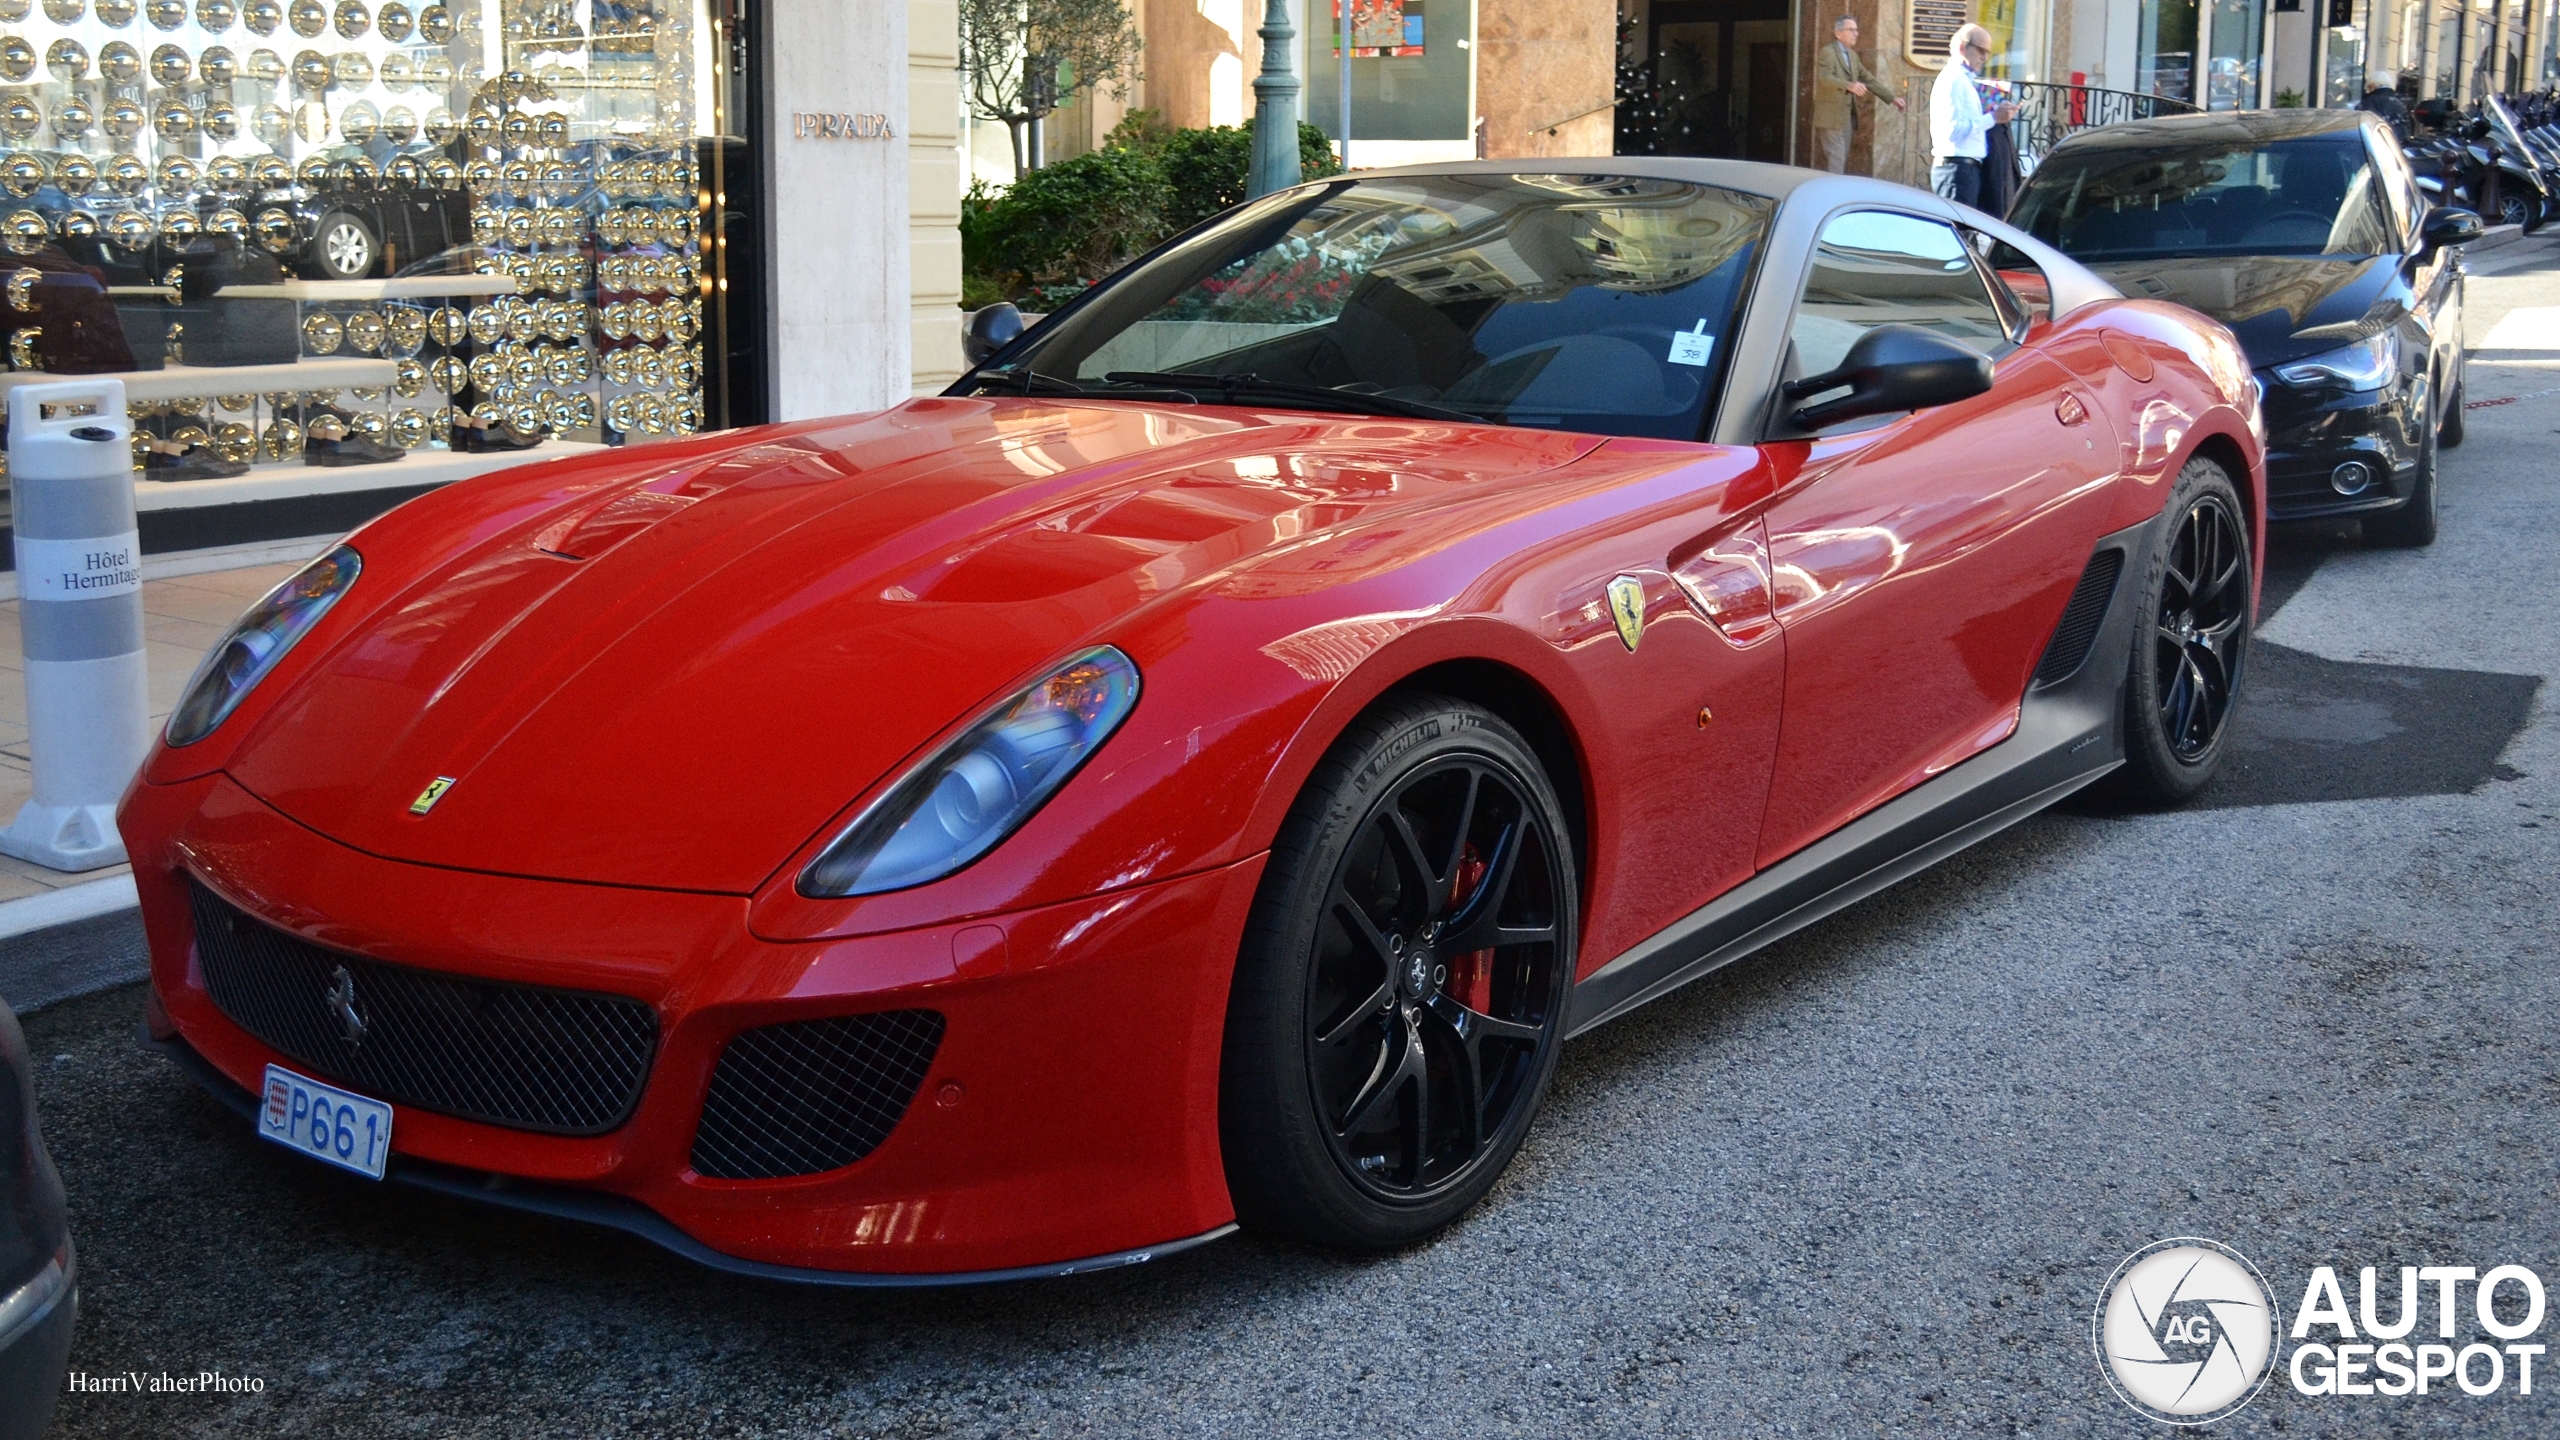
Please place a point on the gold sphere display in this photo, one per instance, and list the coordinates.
(22, 174)
(25, 232)
(119, 63)
(67, 60)
(131, 229)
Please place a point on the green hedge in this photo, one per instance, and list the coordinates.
(1059, 228)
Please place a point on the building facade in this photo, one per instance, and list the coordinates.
(1438, 79)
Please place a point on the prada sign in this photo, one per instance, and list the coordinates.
(817, 125)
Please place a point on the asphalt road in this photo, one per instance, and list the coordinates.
(1869, 1182)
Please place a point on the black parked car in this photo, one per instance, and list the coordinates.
(2307, 234)
(39, 1286)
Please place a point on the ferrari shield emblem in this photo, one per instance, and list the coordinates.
(1626, 606)
(434, 792)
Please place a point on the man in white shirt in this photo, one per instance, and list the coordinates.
(1959, 126)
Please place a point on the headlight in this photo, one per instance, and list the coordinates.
(260, 639)
(981, 787)
(2365, 365)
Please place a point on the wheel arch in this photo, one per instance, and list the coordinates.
(2226, 452)
(1525, 706)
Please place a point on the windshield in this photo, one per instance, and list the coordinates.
(1580, 302)
(2312, 196)
(2510, 136)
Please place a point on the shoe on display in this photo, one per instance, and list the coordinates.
(169, 460)
(474, 436)
(328, 443)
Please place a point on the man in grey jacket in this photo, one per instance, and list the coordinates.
(1840, 82)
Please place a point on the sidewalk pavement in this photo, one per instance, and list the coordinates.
(182, 616)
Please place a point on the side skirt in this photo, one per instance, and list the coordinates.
(2070, 733)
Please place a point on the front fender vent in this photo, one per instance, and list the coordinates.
(2078, 631)
(808, 1096)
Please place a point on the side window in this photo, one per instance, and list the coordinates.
(1875, 268)
(2399, 187)
(2016, 274)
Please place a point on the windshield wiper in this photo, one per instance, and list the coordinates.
(1023, 380)
(1320, 396)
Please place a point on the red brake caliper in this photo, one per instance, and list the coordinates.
(1471, 974)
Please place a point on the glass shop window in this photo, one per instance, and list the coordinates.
(515, 210)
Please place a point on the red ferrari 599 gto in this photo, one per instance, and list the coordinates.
(1201, 768)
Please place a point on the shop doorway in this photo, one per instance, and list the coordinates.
(1721, 72)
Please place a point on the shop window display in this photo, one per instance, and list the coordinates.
(498, 207)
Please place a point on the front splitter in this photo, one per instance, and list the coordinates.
(615, 1212)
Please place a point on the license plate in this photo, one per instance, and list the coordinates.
(325, 1122)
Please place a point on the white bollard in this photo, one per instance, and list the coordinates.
(80, 613)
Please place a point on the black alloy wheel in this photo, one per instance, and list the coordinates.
(2202, 626)
(2191, 651)
(1401, 999)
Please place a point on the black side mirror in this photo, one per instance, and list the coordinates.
(2448, 225)
(1892, 368)
(990, 330)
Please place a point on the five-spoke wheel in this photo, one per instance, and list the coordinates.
(2202, 625)
(2196, 607)
(1400, 1000)
(1435, 963)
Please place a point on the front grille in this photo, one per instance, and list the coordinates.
(566, 1062)
(2079, 628)
(812, 1095)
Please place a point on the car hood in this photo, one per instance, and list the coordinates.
(2269, 301)
(674, 678)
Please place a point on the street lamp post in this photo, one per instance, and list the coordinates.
(1275, 105)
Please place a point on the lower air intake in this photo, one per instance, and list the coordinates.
(810, 1096)
(564, 1062)
(2079, 628)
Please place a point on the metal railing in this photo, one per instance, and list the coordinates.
(2046, 113)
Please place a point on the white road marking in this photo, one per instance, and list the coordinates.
(2527, 327)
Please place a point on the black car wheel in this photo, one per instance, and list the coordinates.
(2188, 656)
(1400, 997)
(343, 247)
(2449, 428)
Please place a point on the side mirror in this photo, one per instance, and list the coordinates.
(990, 330)
(2448, 225)
(1892, 368)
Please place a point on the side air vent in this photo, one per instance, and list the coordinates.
(2079, 628)
(812, 1095)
